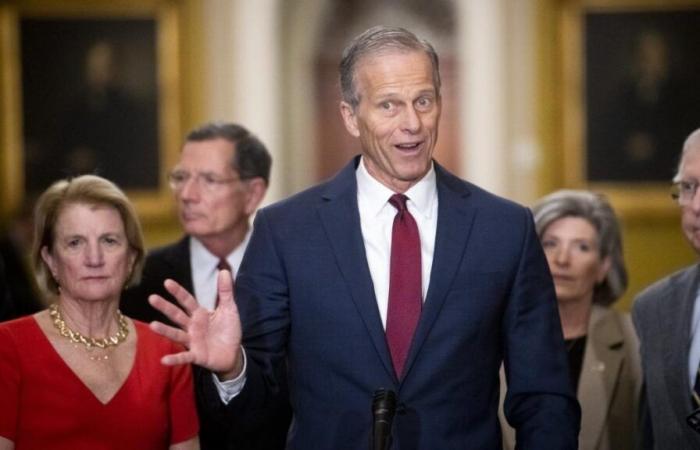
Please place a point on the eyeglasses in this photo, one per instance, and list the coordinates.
(684, 191)
(211, 182)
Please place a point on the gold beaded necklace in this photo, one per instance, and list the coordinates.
(89, 342)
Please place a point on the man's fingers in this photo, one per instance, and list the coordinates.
(172, 312)
(177, 358)
(172, 333)
(224, 287)
(183, 297)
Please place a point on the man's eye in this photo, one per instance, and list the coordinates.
(179, 177)
(424, 102)
(386, 105)
(209, 179)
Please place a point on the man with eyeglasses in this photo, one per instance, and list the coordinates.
(219, 182)
(667, 318)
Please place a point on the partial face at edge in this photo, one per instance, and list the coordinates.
(690, 213)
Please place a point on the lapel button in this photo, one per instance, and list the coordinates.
(598, 366)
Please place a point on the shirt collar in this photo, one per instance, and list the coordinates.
(201, 257)
(373, 196)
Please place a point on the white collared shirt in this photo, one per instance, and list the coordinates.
(694, 351)
(204, 266)
(377, 219)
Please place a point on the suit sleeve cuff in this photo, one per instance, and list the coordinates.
(229, 389)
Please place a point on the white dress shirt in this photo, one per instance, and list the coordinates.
(694, 352)
(376, 222)
(377, 219)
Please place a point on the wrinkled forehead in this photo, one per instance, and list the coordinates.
(210, 156)
(377, 56)
(73, 209)
(393, 73)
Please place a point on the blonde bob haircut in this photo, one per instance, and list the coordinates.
(85, 189)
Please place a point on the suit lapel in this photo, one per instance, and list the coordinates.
(454, 225)
(341, 220)
(178, 258)
(676, 313)
(602, 362)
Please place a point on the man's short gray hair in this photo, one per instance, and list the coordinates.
(375, 41)
(692, 143)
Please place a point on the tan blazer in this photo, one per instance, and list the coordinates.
(609, 386)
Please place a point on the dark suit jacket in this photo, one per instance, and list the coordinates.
(18, 293)
(254, 430)
(305, 296)
(662, 316)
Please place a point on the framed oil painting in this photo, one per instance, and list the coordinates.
(630, 95)
(96, 92)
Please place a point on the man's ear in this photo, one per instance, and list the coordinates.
(255, 193)
(349, 118)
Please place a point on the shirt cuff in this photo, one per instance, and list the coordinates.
(229, 389)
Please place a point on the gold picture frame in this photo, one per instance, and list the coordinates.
(630, 156)
(38, 79)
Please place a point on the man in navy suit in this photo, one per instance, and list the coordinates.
(316, 289)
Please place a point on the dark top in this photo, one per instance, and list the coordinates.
(18, 295)
(575, 350)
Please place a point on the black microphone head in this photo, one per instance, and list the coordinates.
(384, 401)
(383, 410)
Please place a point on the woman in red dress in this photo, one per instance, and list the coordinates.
(80, 375)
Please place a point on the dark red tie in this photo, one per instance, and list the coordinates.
(405, 294)
(223, 265)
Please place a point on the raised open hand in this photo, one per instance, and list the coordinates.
(212, 339)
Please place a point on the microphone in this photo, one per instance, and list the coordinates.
(694, 420)
(383, 410)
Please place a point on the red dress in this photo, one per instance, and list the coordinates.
(44, 405)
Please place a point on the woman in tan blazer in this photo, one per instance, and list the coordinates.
(580, 234)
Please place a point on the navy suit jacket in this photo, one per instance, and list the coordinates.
(306, 297)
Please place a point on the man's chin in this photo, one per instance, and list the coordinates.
(194, 230)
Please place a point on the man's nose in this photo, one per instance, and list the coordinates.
(411, 120)
(190, 189)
